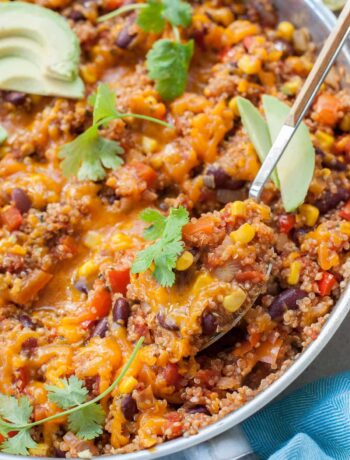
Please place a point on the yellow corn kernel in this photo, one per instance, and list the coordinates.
(203, 280)
(234, 301)
(233, 106)
(149, 145)
(294, 272)
(310, 214)
(250, 65)
(127, 385)
(40, 450)
(121, 241)
(274, 55)
(326, 257)
(285, 30)
(267, 78)
(89, 74)
(291, 87)
(238, 209)
(92, 240)
(17, 249)
(243, 86)
(324, 139)
(244, 234)
(345, 228)
(184, 261)
(345, 123)
(87, 269)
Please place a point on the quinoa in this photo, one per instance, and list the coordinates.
(69, 305)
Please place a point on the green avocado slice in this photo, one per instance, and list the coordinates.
(39, 53)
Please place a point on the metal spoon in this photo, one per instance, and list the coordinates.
(322, 66)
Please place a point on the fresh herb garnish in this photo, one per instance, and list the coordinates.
(85, 417)
(89, 155)
(295, 169)
(169, 245)
(3, 134)
(168, 60)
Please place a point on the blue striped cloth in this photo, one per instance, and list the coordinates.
(312, 423)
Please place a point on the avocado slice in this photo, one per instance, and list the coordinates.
(39, 53)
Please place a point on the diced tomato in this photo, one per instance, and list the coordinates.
(11, 218)
(286, 222)
(248, 41)
(22, 378)
(171, 374)
(110, 5)
(250, 275)
(174, 425)
(144, 172)
(69, 245)
(327, 109)
(326, 283)
(100, 303)
(345, 211)
(119, 279)
(204, 225)
(342, 145)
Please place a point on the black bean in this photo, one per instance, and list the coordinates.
(58, 453)
(124, 38)
(330, 161)
(222, 180)
(267, 14)
(92, 384)
(198, 410)
(27, 321)
(101, 328)
(30, 343)
(76, 16)
(81, 285)
(121, 311)
(167, 323)
(21, 200)
(16, 98)
(329, 200)
(209, 323)
(129, 407)
(286, 300)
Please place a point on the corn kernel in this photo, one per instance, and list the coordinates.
(291, 87)
(92, 240)
(326, 257)
(345, 228)
(233, 106)
(285, 30)
(89, 73)
(127, 385)
(234, 301)
(203, 280)
(184, 261)
(17, 249)
(149, 145)
(121, 241)
(40, 450)
(324, 139)
(87, 269)
(345, 123)
(294, 273)
(244, 234)
(250, 65)
(238, 209)
(243, 86)
(310, 214)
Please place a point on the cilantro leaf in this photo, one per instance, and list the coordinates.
(70, 394)
(88, 155)
(177, 12)
(158, 222)
(3, 134)
(167, 64)
(19, 444)
(150, 18)
(164, 252)
(15, 410)
(104, 104)
(86, 423)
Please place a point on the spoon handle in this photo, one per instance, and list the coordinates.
(323, 64)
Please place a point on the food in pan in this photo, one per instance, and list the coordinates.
(130, 133)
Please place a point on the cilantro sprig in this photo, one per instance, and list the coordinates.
(168, 60)
(85, 417)
(167, 231)
(90, 154)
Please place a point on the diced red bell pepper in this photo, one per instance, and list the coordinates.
(171, 374)
(11, 218)
(326, 283)
(144, 172)
(286, 222)
(327, 109)
(119, 279)
(345, 211)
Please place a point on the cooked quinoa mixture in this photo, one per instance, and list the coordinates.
(70, 305)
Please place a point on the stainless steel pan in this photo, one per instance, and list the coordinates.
(313, 15)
